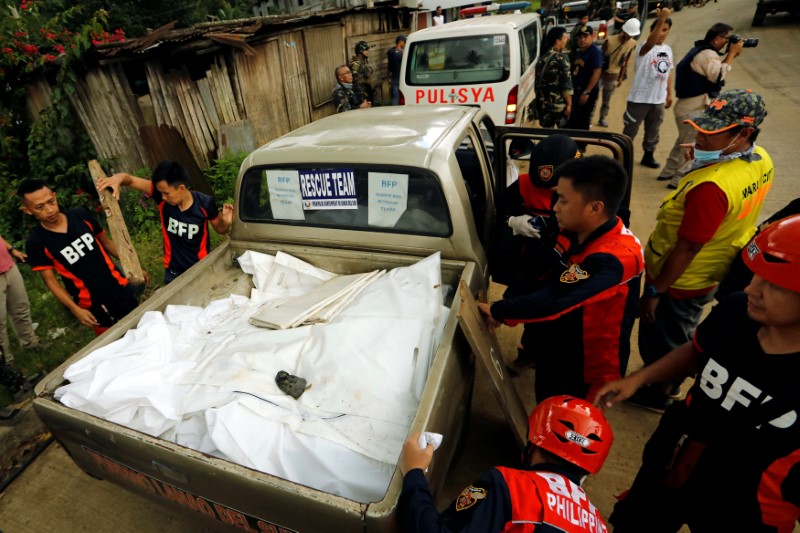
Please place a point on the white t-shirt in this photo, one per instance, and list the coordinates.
(652, 74)
(438, 20)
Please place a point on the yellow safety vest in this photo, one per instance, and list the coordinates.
(745, 183)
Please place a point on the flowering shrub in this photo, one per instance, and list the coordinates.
(55, 146)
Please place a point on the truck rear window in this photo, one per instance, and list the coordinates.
(398, 200)
(459, 60)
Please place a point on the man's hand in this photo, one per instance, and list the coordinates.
(669, 101)
(21, 256)
(614, 392)
(365, 104)
(113, 182)
(735, 49)
(486, 309)
(520, 225)
(583, 98)
(568, 111)
(85, 317)
(413, 456)
(227, 213)
(647, 309)
(688, 151)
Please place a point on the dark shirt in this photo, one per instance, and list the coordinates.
(587, 61)
(85, 267)
(186, 234)
(394, 59)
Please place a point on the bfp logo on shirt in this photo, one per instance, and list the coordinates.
(180, 229)
(78, 248)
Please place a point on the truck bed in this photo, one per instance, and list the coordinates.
(224, 495)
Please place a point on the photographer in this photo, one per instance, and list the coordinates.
(700, 76)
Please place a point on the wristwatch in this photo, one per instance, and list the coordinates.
(650, 291)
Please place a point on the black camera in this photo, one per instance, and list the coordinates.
(748, 43)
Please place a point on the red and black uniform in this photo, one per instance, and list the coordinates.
(578, 303)
(727, 459)
(510, 253)
(85, 267)
(186, 236)
(544, 499)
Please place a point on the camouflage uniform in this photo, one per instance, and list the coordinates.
(361, 75)
(553, 82)
(346, 99)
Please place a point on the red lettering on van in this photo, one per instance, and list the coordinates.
(476, 93)
(419, 94)
(462, 95)
(489, 95)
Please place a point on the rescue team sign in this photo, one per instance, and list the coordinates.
(212, 510)
(457, 95)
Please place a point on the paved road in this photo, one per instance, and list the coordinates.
(53, 494)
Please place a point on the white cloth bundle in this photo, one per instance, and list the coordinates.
(205, 377)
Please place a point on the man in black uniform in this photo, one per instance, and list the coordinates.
(73, 244)
(728, 457)
(185, 214)
(568, 439)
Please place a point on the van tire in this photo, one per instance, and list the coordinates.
(758, 18)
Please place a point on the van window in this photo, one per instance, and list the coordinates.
(391, 199)
(529, 46)
(459, 60)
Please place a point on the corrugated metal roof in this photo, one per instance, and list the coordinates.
(212, 32)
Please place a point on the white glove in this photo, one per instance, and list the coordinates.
(520, 226)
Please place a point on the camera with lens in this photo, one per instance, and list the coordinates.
(748, 43)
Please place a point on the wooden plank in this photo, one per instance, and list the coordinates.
(204, 87)
(188, 125)
(295, 80)
(119, 231)
(484, 343)
(236, 137)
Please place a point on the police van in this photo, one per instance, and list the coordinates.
(489, 61)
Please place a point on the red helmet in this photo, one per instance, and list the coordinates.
(572, 429)
(774, 254)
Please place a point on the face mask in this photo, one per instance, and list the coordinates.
(707, 156)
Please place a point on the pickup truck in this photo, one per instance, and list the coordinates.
(771, 7)
(451, 157)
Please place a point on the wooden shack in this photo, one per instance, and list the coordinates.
(203, 92)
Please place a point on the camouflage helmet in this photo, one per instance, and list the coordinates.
(738, 107)
(361, 46)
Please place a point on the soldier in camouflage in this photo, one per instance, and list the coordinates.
(362, 71)
(554, 81)
(347, 95)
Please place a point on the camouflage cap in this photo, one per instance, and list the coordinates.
(585, 30)
(547, 155)
(738, 107)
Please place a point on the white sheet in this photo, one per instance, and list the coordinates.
(205, 377)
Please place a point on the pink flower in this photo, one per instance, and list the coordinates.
(30, 49)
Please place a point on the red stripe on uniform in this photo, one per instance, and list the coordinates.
(167, 247)
(84, 298)
(122, 280)
(775, 511)
(204, 241)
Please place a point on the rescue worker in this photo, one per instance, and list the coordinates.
(701, 227)
(568, 439)
(527, 204)
(579, 296)
(553, 85)
(362, 71)
(185, 214)
(738, 430)
(347, 95)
